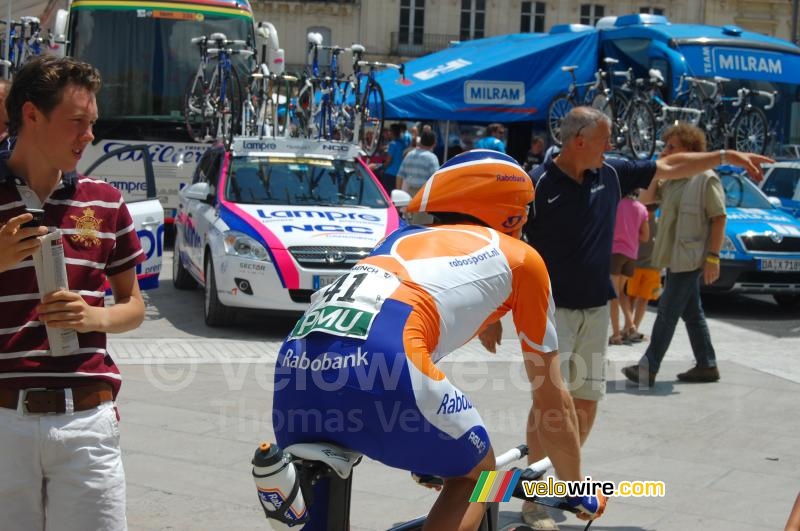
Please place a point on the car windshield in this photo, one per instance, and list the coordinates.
(302, 181)
(783, 183)
(740, 192)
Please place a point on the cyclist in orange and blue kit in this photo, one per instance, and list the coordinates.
(359, 368)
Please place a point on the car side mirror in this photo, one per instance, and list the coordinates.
(775, 201)
(199, 191)
(400, 198)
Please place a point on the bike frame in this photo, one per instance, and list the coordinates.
(331, 497)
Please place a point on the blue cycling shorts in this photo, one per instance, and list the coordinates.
(366, 395)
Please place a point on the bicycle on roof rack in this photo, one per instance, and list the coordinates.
(593, 94)
(212, 102)
(369, 106)
(26, 41)
(747, 129)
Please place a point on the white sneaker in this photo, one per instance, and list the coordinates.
(537, 518)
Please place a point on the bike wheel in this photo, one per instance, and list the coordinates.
(619, 106)
(280, 113)
(711, 123)
(346, 112)
(559, 107)
(641, 125)
(252, 108)
(750, 131)
(372, 111)
(228, 115)
(197, 113)
(304, 111)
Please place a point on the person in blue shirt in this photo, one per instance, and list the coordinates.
(394, 155)
(493, 139)
(572, 227)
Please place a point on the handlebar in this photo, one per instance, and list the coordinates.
(378, 64)
(229, 51)
(743, 92)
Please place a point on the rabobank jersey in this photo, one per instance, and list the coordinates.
(455, 278)
(364, 354)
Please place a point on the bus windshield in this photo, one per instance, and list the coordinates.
(146, 60)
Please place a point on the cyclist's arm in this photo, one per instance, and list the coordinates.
(552, 422)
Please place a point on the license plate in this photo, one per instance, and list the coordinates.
(320, 281)
(774, 264)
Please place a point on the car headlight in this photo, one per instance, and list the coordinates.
(243, 246)
(728, 246)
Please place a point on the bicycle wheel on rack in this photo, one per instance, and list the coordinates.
(280, 107)
(197, 110)
(559, 107)
(372, 111)
(641, 125)
(304, 111)
(711, 123)
(750, 131)
(227, 119)
(345, 112)
(619, 106)
(250, 106)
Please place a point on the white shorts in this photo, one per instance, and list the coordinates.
(582, 342)
(68, 466)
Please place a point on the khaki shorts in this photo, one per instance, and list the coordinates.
(645, 283)
(582, 341)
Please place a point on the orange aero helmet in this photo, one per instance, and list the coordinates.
(485, 184)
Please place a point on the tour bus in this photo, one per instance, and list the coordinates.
(748, 59)
(144, 53)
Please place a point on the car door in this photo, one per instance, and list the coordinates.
(200, 215)
(147, 212)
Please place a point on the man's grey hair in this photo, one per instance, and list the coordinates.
(580, 119)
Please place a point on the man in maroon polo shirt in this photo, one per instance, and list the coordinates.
(60, 463)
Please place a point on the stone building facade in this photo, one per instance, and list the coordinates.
(401, 29)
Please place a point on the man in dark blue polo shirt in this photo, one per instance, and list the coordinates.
(572, 227)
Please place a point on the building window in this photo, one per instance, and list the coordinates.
(532, 17)
(412, 21)
(652, 10)
(473, 18)
(591, 13)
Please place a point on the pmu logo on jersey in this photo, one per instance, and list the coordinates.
(453, 404)
(337, 320)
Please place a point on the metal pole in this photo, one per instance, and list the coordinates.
(794, 20)
(7, 69)
(446, 138)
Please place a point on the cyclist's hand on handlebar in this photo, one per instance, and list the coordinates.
(491, 336)
(587, 507)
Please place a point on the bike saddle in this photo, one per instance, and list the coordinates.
(340, 460)
(357, 48)
(314, 38)
(569, 68)
(218, 37)
(656, 75)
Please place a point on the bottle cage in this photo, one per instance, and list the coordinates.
(282, 515)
